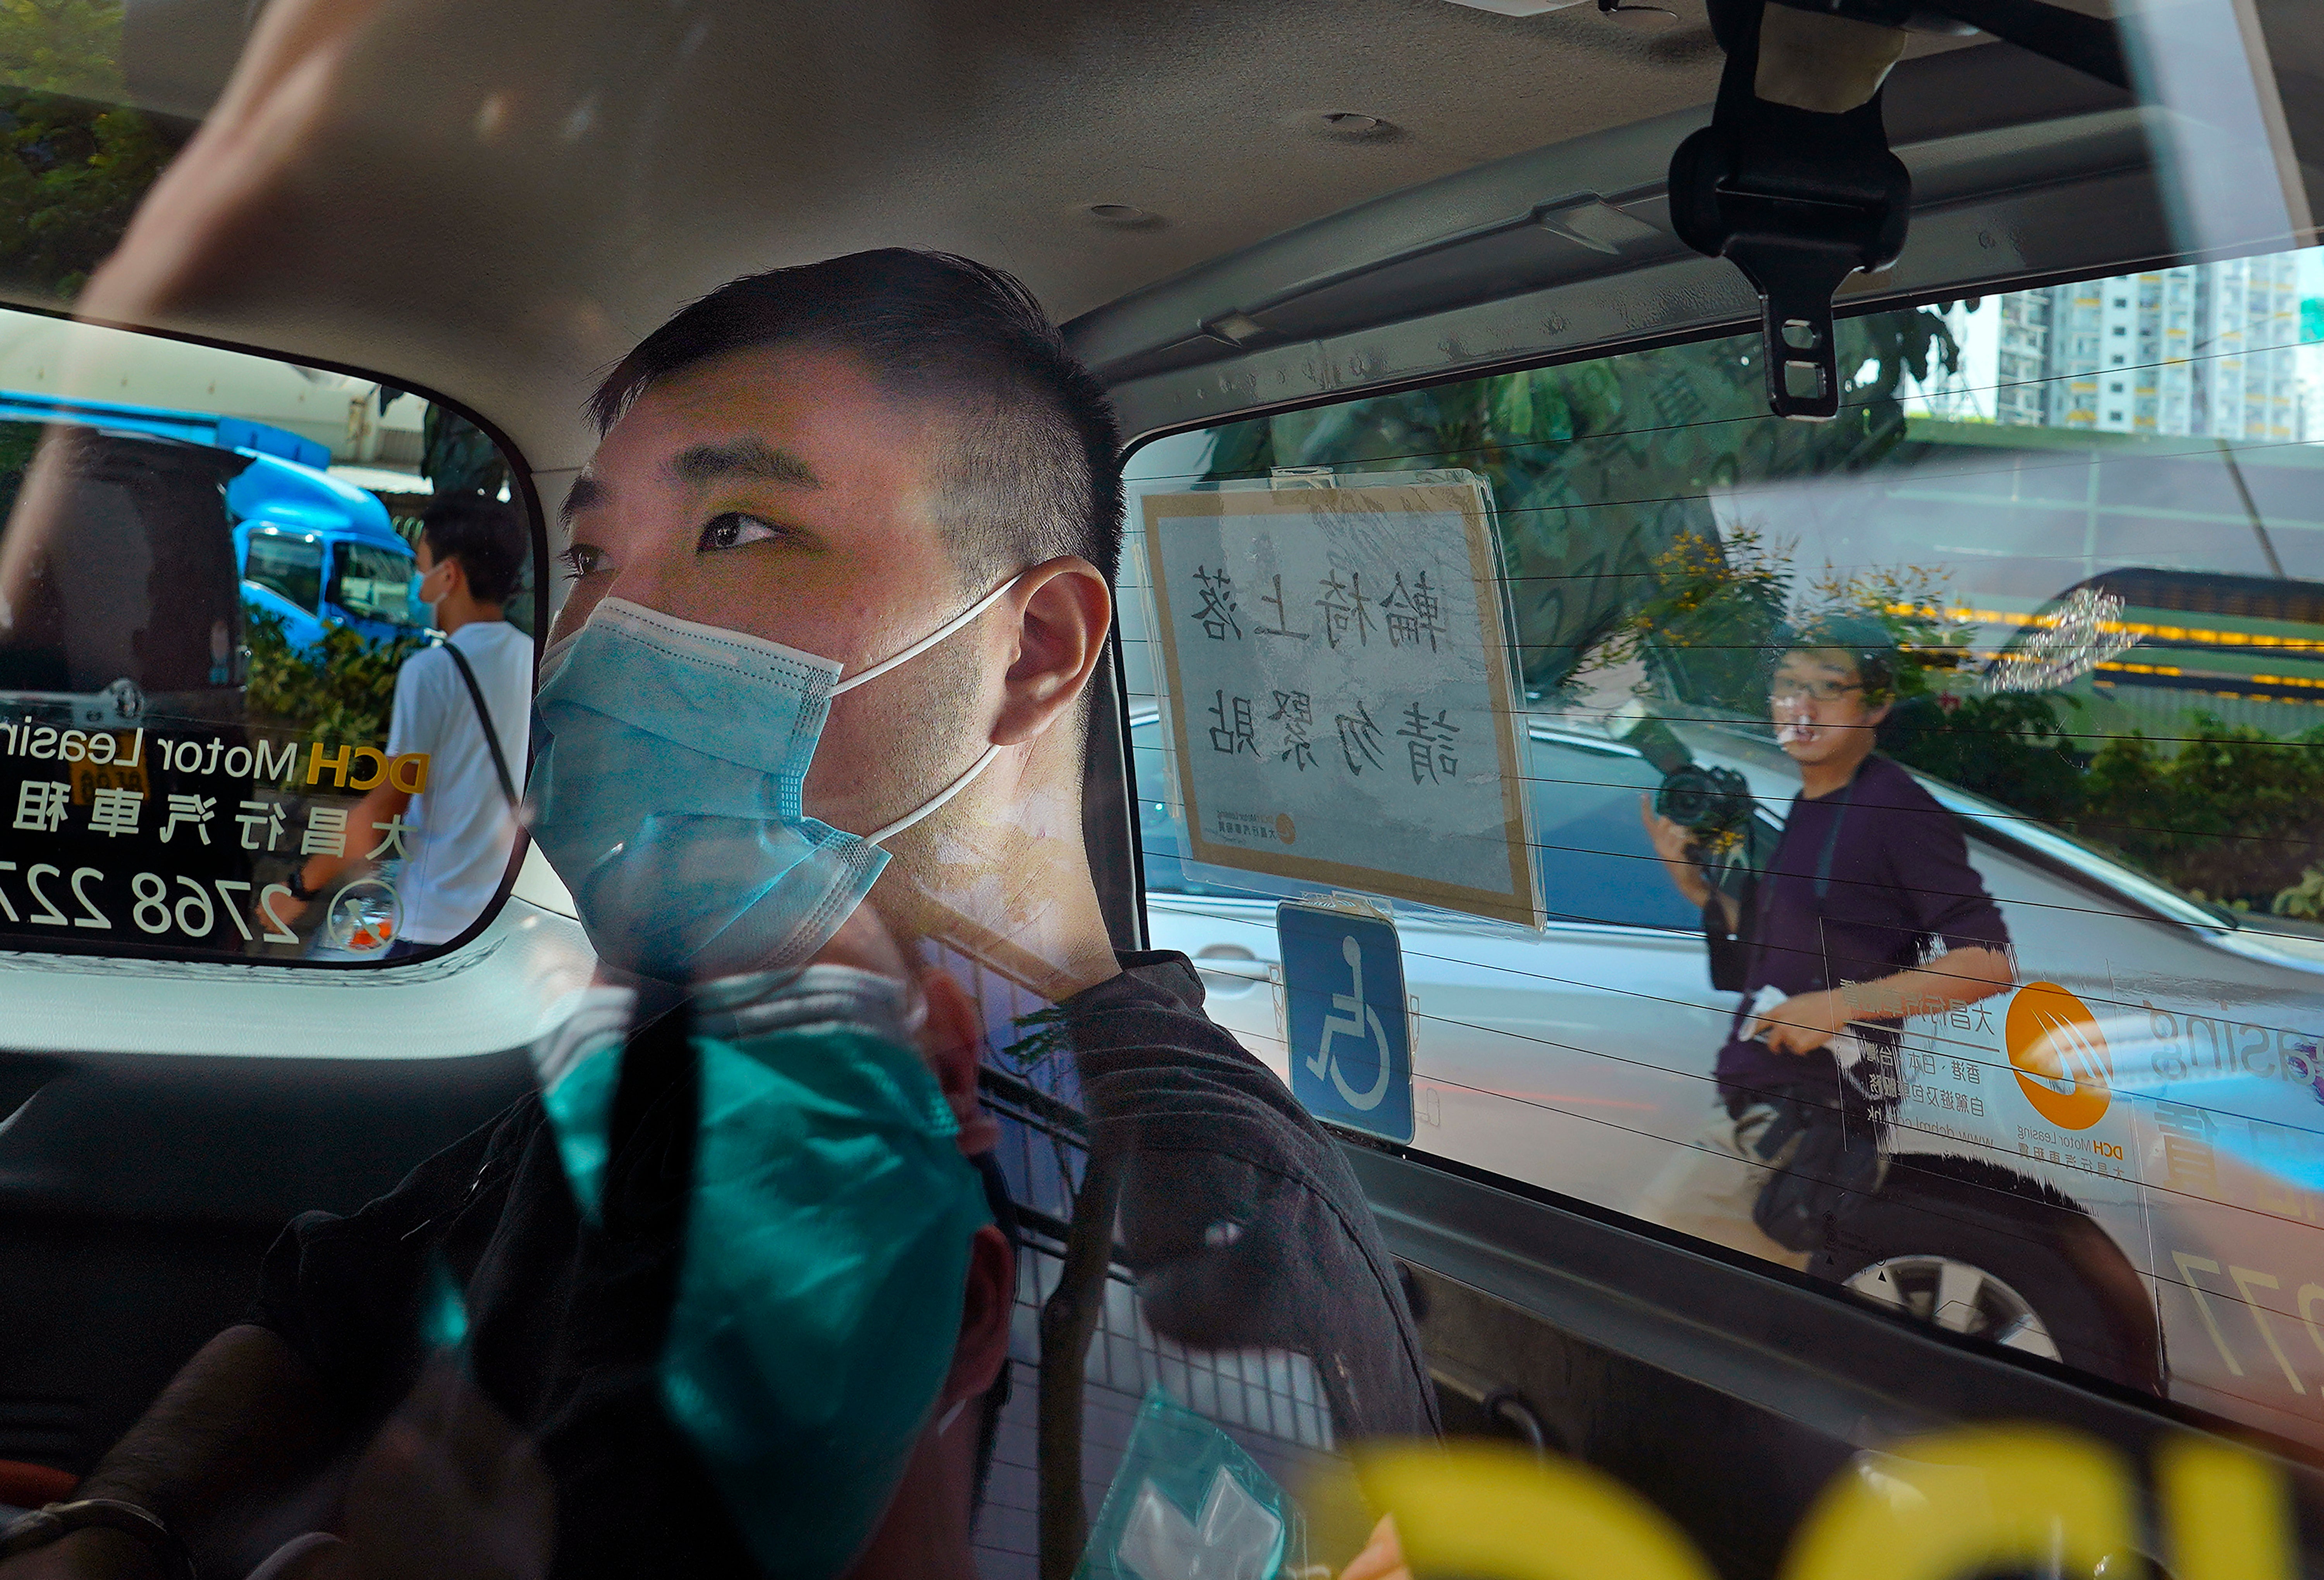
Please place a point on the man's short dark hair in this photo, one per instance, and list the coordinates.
(486, 535)
(1036, 467)
(1872, 645)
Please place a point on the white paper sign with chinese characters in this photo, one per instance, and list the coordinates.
(1336, 674)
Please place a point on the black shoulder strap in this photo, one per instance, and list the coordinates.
(1832, 835)
(484, 717)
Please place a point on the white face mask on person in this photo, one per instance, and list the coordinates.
(667, 793)
(1795, 720)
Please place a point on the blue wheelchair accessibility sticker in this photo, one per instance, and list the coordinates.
(1343, 1011)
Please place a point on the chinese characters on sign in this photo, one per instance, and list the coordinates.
(1338, 678)
(81, 809)
(44, 806)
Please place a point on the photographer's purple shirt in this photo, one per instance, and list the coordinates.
(1866, 882)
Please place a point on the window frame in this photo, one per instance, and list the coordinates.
(524, 496)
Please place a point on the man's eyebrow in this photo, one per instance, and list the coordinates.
(743, 458)
(585, 494)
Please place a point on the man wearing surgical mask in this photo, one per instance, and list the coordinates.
(841, 577)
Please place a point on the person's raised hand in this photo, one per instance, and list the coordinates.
(1382, 1558)
(224, 199)
(1801, 1024)
(1672, 842)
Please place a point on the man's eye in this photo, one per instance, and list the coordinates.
(734, 529)
(581, 560)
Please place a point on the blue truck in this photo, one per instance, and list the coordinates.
(313, 551)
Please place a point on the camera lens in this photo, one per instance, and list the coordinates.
(1705, 801)
(1686, 796)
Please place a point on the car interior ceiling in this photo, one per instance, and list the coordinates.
(549, 206)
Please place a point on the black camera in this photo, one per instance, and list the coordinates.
(1714, 805)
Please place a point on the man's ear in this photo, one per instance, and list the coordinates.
(1065, 612)
(984, 1317)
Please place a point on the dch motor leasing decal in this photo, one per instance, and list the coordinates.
(2059, 1056)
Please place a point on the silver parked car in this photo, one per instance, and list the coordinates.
(2147, 1211)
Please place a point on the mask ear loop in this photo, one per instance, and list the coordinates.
(942, 796)
(905, 656)
(930, 640)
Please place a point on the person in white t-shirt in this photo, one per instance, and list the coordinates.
(458, 831)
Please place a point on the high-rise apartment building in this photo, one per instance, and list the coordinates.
(2203, 348)
(2022, 362)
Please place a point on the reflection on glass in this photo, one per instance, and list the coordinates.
(290, 568)
(213, 734)
(374, 583)
(2060, 568)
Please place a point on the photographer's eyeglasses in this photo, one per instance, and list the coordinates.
(1819, 690)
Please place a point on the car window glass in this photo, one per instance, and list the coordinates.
(2007, 1030)
(1597, 864)
(2056, 940)
(1166, 873)
(290, 567)
(208, 747)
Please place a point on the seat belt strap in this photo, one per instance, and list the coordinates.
(484, 717)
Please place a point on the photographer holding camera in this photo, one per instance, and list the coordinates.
(1866, 911)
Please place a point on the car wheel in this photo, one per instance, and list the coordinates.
(2001, 1259)
(1957, 1296)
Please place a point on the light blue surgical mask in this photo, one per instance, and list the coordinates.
(414, 605)
(826, 1251)
(666, 793)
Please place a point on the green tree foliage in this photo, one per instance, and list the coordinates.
(62, 46)
(2303, 901)
(1715, 612)
(1600, 468)
(77, 173)
(1703, 621)
(18, 442)
(76, 163)
(340, 689)
(2234, 815)
(2012, 748)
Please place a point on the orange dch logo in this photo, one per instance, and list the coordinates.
(2060, 1055)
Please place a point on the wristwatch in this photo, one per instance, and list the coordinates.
(57, 1520)
(297, 884)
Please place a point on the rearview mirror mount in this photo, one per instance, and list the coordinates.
(1794, 182)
